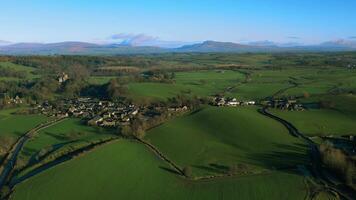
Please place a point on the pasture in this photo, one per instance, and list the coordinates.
(28, 71)
(128, 170)
(200, 83)
(215, 138)
(13, 126)
(65, 136)
(320, 122)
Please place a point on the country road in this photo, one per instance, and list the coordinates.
(317, 169)
(10, 160)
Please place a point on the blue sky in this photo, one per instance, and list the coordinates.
(304, 21)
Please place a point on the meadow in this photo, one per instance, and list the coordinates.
(249, 155)
(28, 71)
(214, 139)
(200, 83)
(128, 170)
(60, 138)
(13, 126)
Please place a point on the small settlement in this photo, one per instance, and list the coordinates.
(222, 101)
(283, 104)
(101, 113)
(95, 112)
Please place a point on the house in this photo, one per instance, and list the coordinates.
(220, 101)
(108, 123)
(95, 121)
(232, 102)
(63, 78)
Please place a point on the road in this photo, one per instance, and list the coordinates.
(11, 158)
(315, 158)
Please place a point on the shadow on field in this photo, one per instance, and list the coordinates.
(284, 158)
(169, 170)
(213, 168)
(38, 156)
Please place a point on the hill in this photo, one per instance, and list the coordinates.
(83, 48)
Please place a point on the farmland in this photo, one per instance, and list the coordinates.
(79, 179)
(157, 121)
(28, 72)
(203, 83)
(214, 139)
(63, 137)
(13, 126)
(321, 122)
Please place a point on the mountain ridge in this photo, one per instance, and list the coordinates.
(86, 48)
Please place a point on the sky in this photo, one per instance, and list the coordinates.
(137, 21)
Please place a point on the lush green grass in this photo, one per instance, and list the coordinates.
(68, 134)
(256, 91)
(127, 170)
(100, 80)
(202, 83)
(13, 126)
(215, 138)
(320, 122)
(17, 125)
(28, 70)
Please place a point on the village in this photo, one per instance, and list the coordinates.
(102, 113)
(95, 112)
(283, 104)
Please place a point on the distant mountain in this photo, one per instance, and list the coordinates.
(74, 48)
(213, 46)
(83, 48)
(264, 43)
(4, 43)
(340, 44)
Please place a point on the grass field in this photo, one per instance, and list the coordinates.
(320, 122)
(69, 134)
(202, 83)
(215, 138)
(100, 80)
(29, 71)
(127, 170)
(14, 126)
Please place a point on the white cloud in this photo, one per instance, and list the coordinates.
(133, 39)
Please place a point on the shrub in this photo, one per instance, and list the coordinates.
(339, 162)
(187, 171)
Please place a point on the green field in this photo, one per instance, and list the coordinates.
(100, 80)
(29, 71)
(13, 126)
(215, 138)
(202, 83)
(127, 170)
(320, 122)
(65, 136)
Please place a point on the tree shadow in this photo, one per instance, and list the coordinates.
(213, 168)
(37, 157)
(169, 170)
(286, 157)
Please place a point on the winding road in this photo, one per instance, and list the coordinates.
(10, 160)
(317, 168)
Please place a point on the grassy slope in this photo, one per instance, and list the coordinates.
(340, 120)
(126, 170)
(320, 122)
(28, 70)
(17, 125)
(221, 137)
(201, 83)
(14, 126)
(67, 134)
